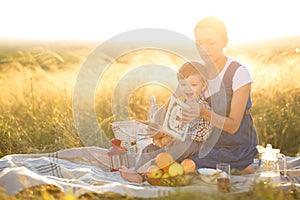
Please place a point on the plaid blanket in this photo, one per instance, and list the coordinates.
(78, 170)
(82, 170)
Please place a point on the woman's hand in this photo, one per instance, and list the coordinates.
(189, 114)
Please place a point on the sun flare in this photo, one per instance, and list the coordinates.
(101, 20)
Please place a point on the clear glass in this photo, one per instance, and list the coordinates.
(223, 181)
(224, 167)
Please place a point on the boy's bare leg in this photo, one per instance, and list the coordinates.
(183, 150)
(179, 151)
(130, 175)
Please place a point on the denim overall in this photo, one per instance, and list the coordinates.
(238, 149)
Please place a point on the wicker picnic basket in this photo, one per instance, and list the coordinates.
(175, 181)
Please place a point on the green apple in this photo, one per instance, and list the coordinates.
(154, 172)
(175, 169)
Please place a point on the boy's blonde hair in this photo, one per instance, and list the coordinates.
(190, 68)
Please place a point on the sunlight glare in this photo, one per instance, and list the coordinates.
(100, 20)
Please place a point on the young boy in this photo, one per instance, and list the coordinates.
(191, 88)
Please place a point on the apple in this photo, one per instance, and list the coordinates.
(188, 165)
(154, 172)
(175, 169)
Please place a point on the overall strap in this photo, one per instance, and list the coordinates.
(227, 81)
(228, 76)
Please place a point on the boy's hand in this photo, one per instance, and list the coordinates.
(158, 134)
(161, 139)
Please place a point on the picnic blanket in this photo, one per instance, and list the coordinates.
(82, 170)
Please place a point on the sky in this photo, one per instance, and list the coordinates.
(246, 20)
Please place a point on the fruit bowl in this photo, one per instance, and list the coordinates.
(174, 181)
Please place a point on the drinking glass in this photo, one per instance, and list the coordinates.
(223, 181)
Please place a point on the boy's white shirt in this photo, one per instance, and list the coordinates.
(241, 77)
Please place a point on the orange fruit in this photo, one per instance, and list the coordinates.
(164, 160)
(188, 165)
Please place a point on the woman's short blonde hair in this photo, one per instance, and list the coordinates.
(215, 24)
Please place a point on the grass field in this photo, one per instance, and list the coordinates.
(37, 82)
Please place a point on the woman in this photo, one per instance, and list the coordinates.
(234, 138)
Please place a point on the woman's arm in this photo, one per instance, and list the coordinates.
(231, 123)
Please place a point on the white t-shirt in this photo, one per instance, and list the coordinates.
(240, 78)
